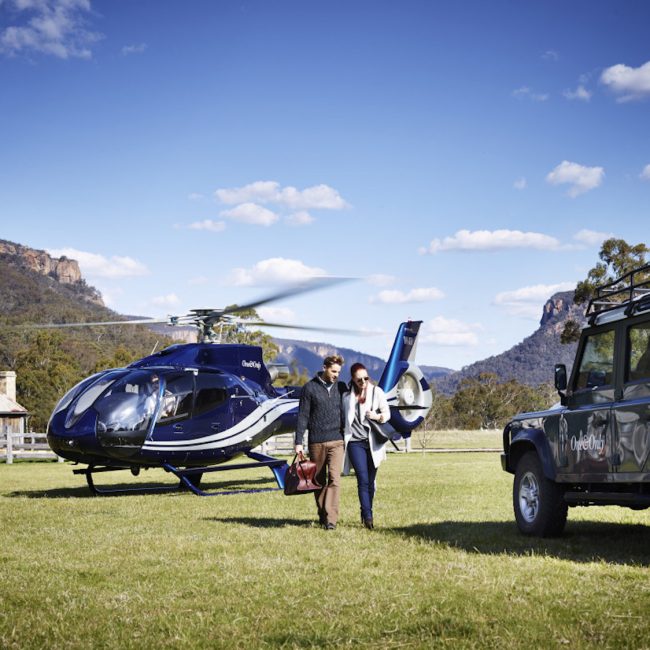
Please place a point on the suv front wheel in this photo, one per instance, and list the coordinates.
(539, 504)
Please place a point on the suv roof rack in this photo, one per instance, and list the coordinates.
(631, 291)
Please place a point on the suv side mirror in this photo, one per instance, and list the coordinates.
(560, 377)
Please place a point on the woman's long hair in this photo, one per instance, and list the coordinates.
(357, 391)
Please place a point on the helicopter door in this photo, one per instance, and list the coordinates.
(212, 413)
(175, 407)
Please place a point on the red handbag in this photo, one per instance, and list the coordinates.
(300, 478)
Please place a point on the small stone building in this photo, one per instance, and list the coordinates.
(13, 417)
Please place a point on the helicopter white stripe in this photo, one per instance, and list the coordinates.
(261, 411)
(244, 430)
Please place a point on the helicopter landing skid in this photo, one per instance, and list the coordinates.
(278, 467)
(186, 476)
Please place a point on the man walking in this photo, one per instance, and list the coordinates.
(321, 413)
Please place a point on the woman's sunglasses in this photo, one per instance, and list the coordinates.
(360, 380)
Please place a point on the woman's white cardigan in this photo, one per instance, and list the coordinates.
(375, 401)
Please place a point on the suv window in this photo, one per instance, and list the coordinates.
(638, 366)
(597, 363)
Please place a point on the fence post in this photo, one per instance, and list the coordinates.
(9, 438)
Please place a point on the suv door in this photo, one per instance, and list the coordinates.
(632, 413)
(586, 422)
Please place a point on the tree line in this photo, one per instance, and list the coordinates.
(48, 363)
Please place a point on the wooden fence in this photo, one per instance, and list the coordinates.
(283, 445)
(25, 445)
(34, 446)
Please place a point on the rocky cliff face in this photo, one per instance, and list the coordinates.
(559, 308)
(63, 270)
(531, 361)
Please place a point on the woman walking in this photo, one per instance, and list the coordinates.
(364, 449)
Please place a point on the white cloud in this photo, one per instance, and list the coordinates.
(526, 93)
(551, 55)
(491, 240)
(50, 27)
(520, 184)
(581, 178)
(259, 191)
(317, 197)
(381, 279)
(277, 314)
(251, 213)
(276, 270)
(134, 49)
(527, 301)
(449, 332)
(110, 295)
(629, 83)
(300, 218)
(169, 300)
(645, 174)
(592, 237)
(208, 224)
(580, 93)
(396, 297)
(320, 197)
(195, 196)
(95, 265)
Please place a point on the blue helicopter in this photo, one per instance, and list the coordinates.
(191, 407)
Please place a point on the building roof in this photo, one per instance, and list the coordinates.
(9, 407)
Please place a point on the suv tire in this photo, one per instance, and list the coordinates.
(539, 505)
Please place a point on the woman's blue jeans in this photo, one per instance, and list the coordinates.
(365, 470)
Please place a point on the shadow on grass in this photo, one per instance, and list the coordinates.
(264, 522)
(582, 541)
(150, 487)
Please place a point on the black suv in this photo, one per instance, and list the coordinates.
(594, 447)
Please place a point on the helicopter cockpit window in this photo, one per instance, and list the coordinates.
(87, 393)
(177, 398)
(66, 400)
(211, 391)
(129, 403)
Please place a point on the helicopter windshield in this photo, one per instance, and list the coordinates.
(85, 393)
(65, 401)
(129, 403)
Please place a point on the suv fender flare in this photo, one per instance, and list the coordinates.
(532, 440)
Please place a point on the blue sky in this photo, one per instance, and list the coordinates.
(464, 160)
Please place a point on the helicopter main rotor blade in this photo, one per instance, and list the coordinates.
(205, 319)
(147, 321)
(308, 328)
(313, 284)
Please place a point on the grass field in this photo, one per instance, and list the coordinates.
(445, 567)
(490, 439)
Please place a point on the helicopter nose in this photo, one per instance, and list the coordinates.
(121, 438)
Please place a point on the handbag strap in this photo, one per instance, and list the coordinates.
(299, 457)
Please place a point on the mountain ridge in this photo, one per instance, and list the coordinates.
(530, 361)
(34, 284)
